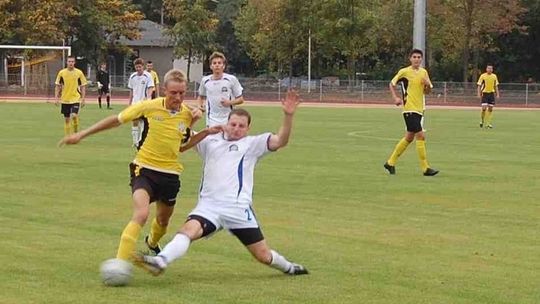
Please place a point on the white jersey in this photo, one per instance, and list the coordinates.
(215, 90)
(228, 168)
(139, 85)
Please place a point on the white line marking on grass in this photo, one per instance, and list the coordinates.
(365, 134)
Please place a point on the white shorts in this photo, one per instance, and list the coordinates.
(226, 217)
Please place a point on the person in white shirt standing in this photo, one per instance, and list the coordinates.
(140, 86)
(219, 92)
(225, 196)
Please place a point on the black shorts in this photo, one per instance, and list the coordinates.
(163, 187)
(247, 236)
(488, 99)
(70, 108)
(104, 90)
(413, 121)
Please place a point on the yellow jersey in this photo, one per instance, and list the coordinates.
(488, 82)
(412, 88)
(155, 77)
(70, 82)
(163, 132)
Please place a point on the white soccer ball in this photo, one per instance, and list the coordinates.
(116, 272)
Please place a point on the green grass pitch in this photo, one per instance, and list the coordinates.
(469, 235)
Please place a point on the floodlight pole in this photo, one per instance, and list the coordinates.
(309, 62)
(419, 28)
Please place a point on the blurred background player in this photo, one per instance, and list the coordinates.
(156, 169)
(70, 91)
(104, 85)
(488, 86)
(140, 86)
(220, 90)
(225, 195)
(414, 82)
(155, 78)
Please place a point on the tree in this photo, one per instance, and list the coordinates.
(193, 33)
(470, 24)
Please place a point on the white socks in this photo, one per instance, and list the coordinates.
(279, 262)
(175, 249)
(135, 135)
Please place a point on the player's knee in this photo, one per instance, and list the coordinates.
(163, 220)
(140, 216)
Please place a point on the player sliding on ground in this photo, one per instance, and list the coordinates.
(225, 197)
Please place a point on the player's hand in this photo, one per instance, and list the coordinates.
(56, 102)
(70, 140)
(215, 129)
(99, 85)
(226, 103)
(202, 108)
(291, 102)
(82, 103)
(398, 101)
(196, 113)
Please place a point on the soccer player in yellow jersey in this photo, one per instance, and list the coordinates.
(155, 170)
(155, 78)
(414, 83)
(488, 87)
(70, 90)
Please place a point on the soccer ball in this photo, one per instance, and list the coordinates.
(116, 272)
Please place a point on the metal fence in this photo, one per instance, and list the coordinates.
(325, 90)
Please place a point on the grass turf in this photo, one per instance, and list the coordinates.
(468, 235)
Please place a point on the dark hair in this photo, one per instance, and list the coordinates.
(149, 61)
(489, 64)
(416, 51)
(71, 56)
(241, 112)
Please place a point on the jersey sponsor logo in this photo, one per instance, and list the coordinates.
(233, 147)
(158, 118)
(224, 90)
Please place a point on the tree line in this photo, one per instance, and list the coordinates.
(349, 38)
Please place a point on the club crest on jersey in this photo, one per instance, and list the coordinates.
(224, 90)
(181, 127)
(233, 147)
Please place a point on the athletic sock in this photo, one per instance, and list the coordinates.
(156, 233)
(398, 150)
(175, 249)
(421, 150)
(135, 135)
(67, 128)
(75, 121)
(279, 262)
(128, 241)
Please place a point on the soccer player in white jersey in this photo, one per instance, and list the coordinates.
(140, 86)
(219, 92)
(225, 196)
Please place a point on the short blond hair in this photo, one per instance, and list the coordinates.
(174, 75)
(217, 55)
(138, 61)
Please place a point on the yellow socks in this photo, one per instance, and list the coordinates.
(128, 241)
(75, 120)
(156, 233)
(421, 150)
(67, 128)
(398, 150)
(489, 115)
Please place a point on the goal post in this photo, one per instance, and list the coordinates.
(23, 71)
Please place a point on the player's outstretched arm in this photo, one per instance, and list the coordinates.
(105, 124)
(195, 139)
(289, 106)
